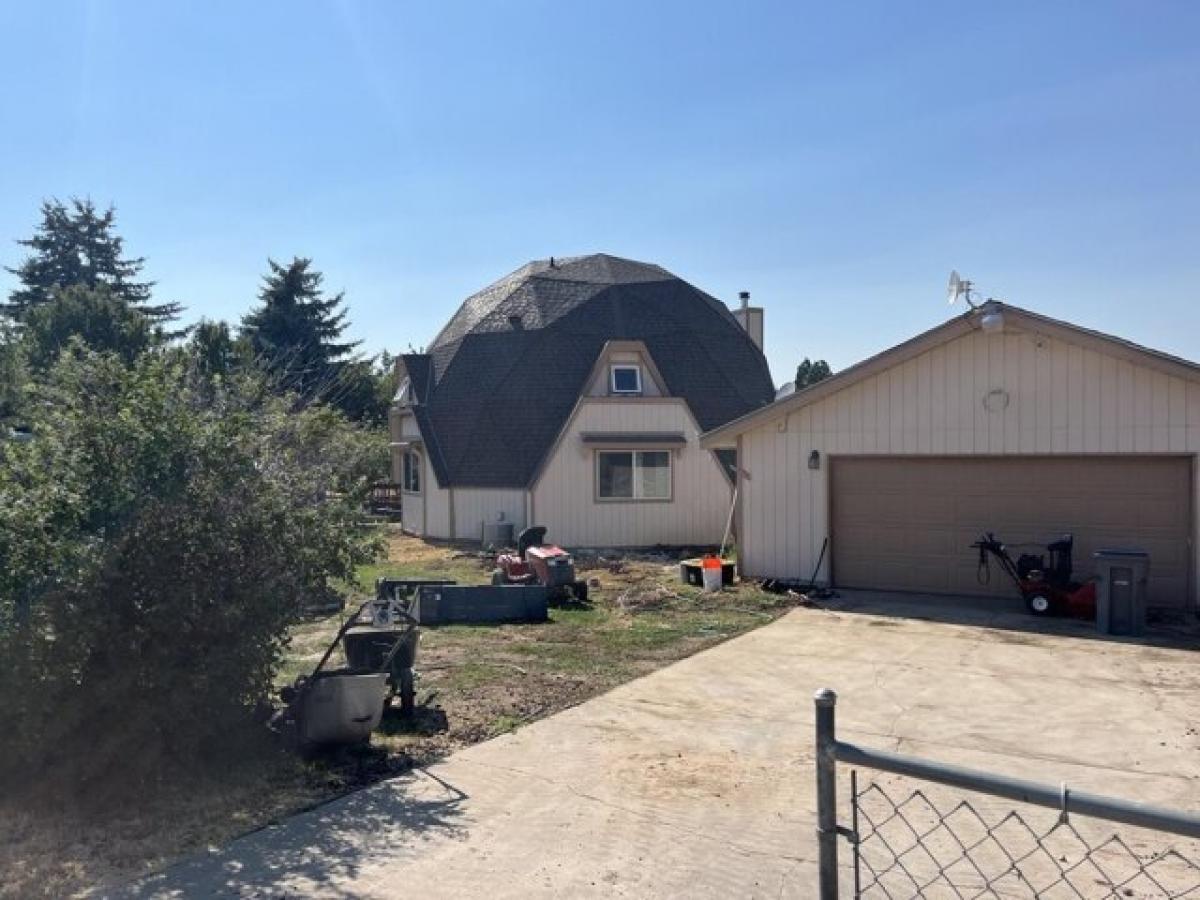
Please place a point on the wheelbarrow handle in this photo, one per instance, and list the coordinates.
(346, 626)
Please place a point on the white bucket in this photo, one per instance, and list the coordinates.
(713, 579)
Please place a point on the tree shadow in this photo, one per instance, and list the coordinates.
(423, 721)
(321, 851)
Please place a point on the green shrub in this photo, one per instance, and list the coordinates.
(157, 536)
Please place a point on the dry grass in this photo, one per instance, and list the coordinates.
(474, 682)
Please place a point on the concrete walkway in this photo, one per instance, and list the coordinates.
(696, 781)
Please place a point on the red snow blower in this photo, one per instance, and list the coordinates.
(1046, 589)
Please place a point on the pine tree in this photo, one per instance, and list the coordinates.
(294, 334)
(13, 376)
(76, 245)
(809, 372)
(96, 316)
(217, 353)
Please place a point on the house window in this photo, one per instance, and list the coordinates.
(626, 380)
(633, 475)
(410, 474)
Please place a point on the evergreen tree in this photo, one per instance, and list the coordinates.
(809, 372)
(366, 388)
(294, 334)
(13, 376)
(216, 351)
(77, 245)
(96, 316)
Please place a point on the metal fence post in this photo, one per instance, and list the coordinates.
(825, 701)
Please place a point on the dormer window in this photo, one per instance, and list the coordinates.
(626, 380)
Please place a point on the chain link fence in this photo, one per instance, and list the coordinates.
(908, 843)
(910, 838)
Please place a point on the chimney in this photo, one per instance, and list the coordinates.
(750, 318)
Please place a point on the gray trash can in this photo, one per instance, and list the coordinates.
(1121, 591)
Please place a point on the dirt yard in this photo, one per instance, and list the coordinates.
(474, 682)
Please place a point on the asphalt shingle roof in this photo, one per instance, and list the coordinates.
(504, 373)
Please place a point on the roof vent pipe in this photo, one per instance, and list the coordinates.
(744, 296)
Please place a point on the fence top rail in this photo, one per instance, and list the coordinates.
(1059, 797)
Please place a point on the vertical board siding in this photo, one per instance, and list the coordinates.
(437, 505)
(474, 506)
(1062, 398)
(564, 496)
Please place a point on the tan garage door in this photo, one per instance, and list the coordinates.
(906, 523)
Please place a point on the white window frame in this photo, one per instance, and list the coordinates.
(637, 482)
(410, 465)
(612, 378)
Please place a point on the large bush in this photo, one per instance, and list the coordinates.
(157, 536)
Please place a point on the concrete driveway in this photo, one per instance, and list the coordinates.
(697, 780)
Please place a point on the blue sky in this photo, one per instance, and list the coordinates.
(837, 160)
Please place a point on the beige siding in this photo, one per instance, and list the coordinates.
(437, 506)
(1062, 398)
(409, 429)
(600, 384)
(412, 513)
(427, 513)
(472, 506)
(564, 496)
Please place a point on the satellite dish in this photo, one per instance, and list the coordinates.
(953, 288)
(958, 287)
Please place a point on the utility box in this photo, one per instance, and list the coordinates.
(1121, 591)
(496, 534)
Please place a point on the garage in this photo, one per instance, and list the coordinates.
(903, 523)
(1000, 420)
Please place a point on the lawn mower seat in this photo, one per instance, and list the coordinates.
(533, 536)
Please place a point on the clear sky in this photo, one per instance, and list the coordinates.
(835, 159)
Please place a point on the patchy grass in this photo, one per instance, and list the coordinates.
(474, 682)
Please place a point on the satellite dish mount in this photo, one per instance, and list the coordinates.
(961, 287)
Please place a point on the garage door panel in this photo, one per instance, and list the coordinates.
(1163, 511)
(939, 541)
(907, 523)
(972, 511)
(1107, 509)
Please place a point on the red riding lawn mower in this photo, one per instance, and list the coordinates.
(537, 562)
(1046, 589)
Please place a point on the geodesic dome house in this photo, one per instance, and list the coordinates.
(576, 388)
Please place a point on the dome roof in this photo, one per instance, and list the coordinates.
(503, 375)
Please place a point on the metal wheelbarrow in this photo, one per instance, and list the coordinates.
(343, 706)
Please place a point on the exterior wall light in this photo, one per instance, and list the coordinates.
(814, 460)
(992, 322)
